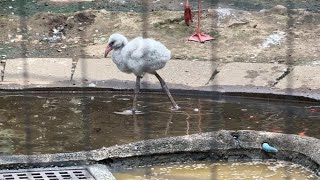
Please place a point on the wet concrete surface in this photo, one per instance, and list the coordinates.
(213, 146)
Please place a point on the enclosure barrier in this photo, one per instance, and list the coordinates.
(244, 145)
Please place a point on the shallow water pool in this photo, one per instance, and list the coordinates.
(270, 170)
(53, 123)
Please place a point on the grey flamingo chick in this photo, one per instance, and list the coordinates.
(139, 56)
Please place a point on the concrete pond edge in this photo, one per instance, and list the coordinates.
(197, 77)
(228, 145)
(238, 91)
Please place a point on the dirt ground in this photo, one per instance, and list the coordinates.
(275, 35)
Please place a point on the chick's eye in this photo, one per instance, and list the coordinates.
(111, 43)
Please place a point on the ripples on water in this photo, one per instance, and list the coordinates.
(75, 122)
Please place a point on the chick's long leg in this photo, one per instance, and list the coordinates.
(136, 92)
(166, 89)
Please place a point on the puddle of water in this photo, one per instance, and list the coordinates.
(219, 171)
(53, 123)
(129, 112)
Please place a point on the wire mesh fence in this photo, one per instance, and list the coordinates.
(163, 21)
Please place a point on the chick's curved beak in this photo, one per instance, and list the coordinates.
(108, 49)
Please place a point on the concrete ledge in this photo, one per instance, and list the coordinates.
(189, 73)
(257, 79)
(249, 74)
(219, 145)
(100, 171)
(36, 71)
(304, 77)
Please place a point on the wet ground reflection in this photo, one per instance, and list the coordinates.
(75, 122)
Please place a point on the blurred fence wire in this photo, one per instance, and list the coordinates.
(147, 119)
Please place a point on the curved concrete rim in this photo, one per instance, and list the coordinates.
(218, 145)
(250, 92)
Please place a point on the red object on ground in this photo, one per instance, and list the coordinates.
(302, 134)
(199, 36)
(187, 13)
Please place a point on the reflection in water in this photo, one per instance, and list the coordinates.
(129, 112)
(218, 171)
(72, 122)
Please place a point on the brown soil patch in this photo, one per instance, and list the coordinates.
(239, 35)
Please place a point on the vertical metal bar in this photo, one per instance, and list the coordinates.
(146, 116)
(72, 175)
(85, 113)
(199, 16)
(145, 17)
(26, 105)
(289, 62)
(86, 119)
(213, 5)
(58, 175)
